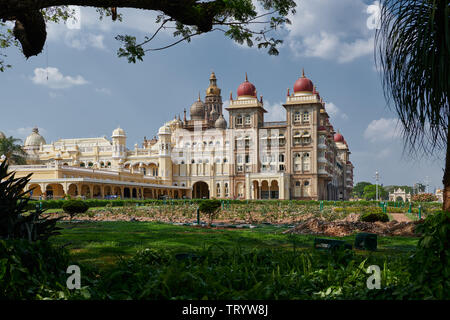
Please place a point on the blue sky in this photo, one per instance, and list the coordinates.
(90, 91)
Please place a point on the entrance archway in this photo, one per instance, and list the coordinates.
(200, 190)
(36, 190)
(274, 191)
(73, 190)
(126, 192)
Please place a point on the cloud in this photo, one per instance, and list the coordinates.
(328, 29)
(56, 80)
(382, 130)
(275, 112)
(334, 111)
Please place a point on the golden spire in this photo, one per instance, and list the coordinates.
(303, 73)
(246, 78)
(199, 96)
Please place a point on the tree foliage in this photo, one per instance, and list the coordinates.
(12, 150)
(358, 189)
(244, 21)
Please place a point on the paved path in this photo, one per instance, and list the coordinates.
(400, 217)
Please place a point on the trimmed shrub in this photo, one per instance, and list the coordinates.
(374, 216)
(72, 207)
(210, 208)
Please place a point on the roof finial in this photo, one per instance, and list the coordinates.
(246, 78)
(288, 92)
(231, 95)
(303, 72)
(199, 96)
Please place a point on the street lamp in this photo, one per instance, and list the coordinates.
(377, 178)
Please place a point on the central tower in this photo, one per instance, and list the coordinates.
(213, 99)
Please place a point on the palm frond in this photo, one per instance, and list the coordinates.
(413, 50)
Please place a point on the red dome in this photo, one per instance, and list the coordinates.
(338, 137)
(303, 84)
(246, 88)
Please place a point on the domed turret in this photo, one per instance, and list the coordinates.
(246, 89)
(119, 132)
(338, 137)
(220, 123)
(197, 110)
(34, 139)
(303, 85)
(165, 129)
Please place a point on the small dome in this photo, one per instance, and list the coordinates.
(34, 139)
(220, 123)
(165, 129)
(197, 110)
(303, 84)
(2, 135)
(338, 137)
(119, 132)
(246, 89)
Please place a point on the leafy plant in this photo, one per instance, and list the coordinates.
(430, 264)
(14, 222)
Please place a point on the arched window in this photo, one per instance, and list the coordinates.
(281, 157)
(218, 189)
(306, 116)
(297, 116)
(239, 120)
(225, 160)
(306, 161)
(248, 119)
(192, 161)
(226, 189)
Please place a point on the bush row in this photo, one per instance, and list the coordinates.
(92, 203)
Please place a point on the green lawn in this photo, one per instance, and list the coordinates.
(101, 243)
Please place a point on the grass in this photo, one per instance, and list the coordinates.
(102, 243)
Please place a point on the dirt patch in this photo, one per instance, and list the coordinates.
(347, 227)
(400, 217)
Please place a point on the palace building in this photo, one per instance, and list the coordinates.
(205, 156)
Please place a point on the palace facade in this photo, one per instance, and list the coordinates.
(204, 156)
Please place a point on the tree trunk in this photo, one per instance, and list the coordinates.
(446, 179)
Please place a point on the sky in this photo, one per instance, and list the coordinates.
(90, 91)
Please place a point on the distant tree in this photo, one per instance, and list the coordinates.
(358, 189)
(419, 187)
(12, 150)
(238, 20)
(413, 50)
(370, 193)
